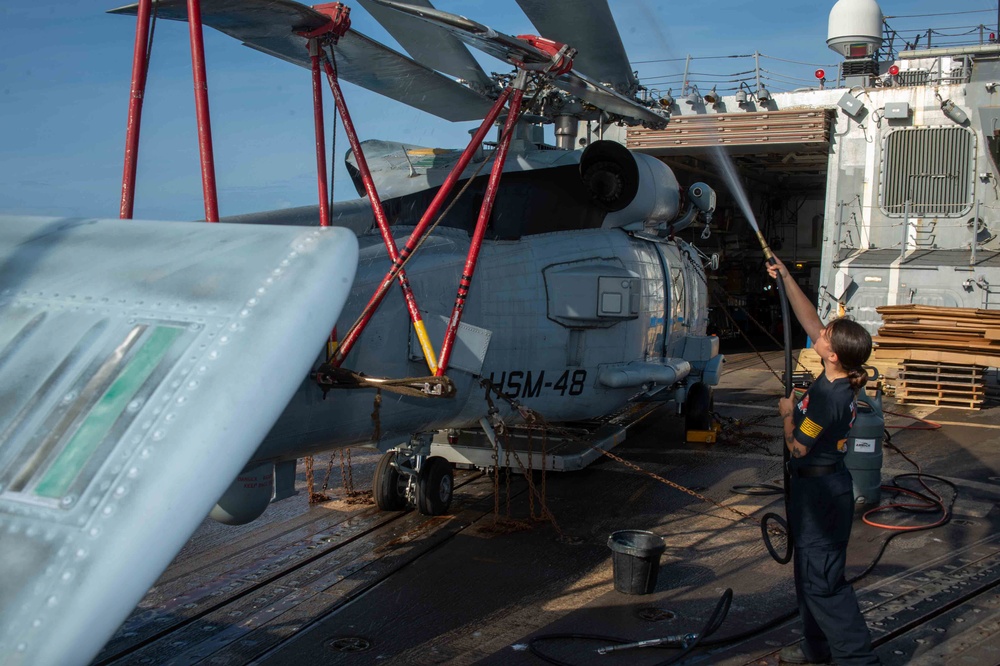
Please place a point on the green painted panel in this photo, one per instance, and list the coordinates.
(66, 467)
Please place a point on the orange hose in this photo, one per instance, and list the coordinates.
(937, 502)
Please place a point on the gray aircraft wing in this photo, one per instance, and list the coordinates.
(271, 26)
(141, 365)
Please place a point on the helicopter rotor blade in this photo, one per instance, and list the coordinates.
(586, 25)
(430, 45)
(271, 26)
(516, 51)
(486, 39)
(605, 98)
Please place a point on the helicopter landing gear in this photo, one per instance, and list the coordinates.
(698, 407)
(389, 486)
(407, 477)
(435, 486)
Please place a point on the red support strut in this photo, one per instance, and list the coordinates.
(425, 221)
(381, 221)
(201, 108)
(138, 91)
(484, 216)
(317, 87)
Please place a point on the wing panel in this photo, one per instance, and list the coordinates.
(142, 365)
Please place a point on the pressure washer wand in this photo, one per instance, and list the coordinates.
(768, 254)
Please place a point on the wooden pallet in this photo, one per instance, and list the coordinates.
(941, 385)
(962, 375)
(957, 403)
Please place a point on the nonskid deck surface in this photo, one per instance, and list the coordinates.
(345, 584)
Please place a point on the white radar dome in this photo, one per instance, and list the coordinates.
(855, 29)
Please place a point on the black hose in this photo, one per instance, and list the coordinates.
(785, 456)
(787, 334)
(766, 536)
(712, 625)
(758, 490)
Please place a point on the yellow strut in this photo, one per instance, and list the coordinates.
(426, 346)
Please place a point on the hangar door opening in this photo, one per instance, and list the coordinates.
(781, 159)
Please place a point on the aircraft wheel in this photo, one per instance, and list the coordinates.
(435, 487)
(698, 407)
(389, 486)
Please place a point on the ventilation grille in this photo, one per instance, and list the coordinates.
(914, 77)
(932, 167)
(923, 77)
(859, 67)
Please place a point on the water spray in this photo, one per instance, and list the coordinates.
(728, 170)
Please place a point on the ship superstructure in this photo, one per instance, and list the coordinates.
(878, 186)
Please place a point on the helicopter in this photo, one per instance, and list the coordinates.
(552, 274)
(592, 229)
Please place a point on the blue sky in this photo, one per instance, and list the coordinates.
(64, 85)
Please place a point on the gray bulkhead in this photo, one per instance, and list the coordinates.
(913, 192)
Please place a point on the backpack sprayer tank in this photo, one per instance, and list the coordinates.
(864, 447)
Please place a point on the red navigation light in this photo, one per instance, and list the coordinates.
(893, 70)
(993, 36)
(820, 74)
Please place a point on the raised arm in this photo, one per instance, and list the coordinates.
(804, 310)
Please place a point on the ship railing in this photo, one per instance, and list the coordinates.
(931, 38)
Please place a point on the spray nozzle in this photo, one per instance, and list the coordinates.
(768, 255)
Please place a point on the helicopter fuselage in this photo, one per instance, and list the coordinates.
(571, 324)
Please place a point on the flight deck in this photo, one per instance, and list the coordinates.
(341, 583)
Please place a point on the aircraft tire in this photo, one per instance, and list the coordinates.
(698, 407)
(387, 485)
(435, 487)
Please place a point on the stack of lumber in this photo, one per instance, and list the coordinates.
(960, 336)
(940, 354)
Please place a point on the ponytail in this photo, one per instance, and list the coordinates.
(858, 377)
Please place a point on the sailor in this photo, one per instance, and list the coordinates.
(821, 505)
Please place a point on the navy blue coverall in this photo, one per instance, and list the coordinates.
(821, 509)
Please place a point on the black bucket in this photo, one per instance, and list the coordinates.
(636, 560)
